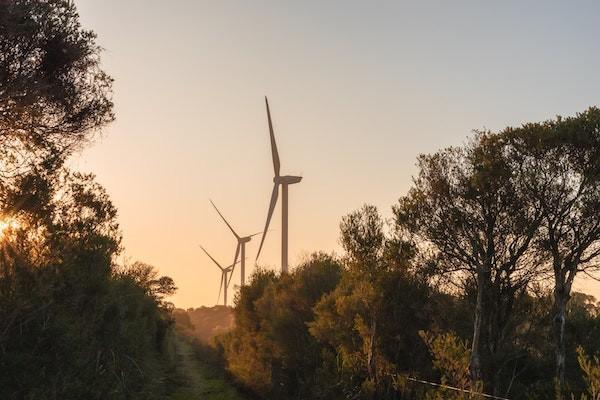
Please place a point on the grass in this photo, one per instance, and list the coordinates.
(198, 380)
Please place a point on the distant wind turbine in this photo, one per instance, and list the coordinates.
(284, 181)
(241, 247)
(224, 282)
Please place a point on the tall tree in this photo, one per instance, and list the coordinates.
(562, 158)
(270, 350)
(466, 207)
(370, 322)
(363, 239)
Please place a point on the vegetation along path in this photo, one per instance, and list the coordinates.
(201, 381)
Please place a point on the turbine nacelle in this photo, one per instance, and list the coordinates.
(241, 246)
(286, 179)
(244, 239)
(224, 271)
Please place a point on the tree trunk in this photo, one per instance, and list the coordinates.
(475, 363)
(480, 357)
(562, 294)
(371, 363)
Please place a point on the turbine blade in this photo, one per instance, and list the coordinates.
(215, 261)
(224, 220)
(274, 195)
(274, 153)
(237, 253)
(235, 261)
(254, 234)
(220, 288)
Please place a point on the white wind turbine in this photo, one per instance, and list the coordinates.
(224, 282)
(284, 181)
(241, 247)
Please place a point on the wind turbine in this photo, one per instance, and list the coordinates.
(241, 247)
(284, 181)
(224, 271)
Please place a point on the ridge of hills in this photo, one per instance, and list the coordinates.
(204, 323)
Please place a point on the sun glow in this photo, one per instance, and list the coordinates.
(7, 225)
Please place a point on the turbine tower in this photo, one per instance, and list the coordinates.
(224, 283)
(241, 247)
(284, 181)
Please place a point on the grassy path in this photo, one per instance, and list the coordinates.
(200, 381)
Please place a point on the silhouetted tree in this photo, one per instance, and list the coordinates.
(271, 350)
(93, 330)
(562, 159)
(467, 207)
(53, 93)
(370, 322)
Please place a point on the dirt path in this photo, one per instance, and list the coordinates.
(200, 381)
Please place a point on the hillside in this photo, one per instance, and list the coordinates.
(204, 323)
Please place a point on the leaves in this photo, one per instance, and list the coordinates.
(54, 95)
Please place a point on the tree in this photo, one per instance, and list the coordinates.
(591, 371)
(364, 241)
(370, 322)
(467, 208)
(93, 329)
(146, 276)
(270, 349)
(562, 158)
(53, 94)
(451, 358)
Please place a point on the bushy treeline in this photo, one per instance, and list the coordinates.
(327, 331)
(469, 285)
(73, 323)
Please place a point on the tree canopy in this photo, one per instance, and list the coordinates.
(54, 95)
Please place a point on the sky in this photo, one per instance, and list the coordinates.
(357, 91)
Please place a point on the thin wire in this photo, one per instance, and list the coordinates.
(488, 396)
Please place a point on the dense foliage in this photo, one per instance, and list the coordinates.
(91, 328)
(270, 349)
(53, 93)
(73, 323)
